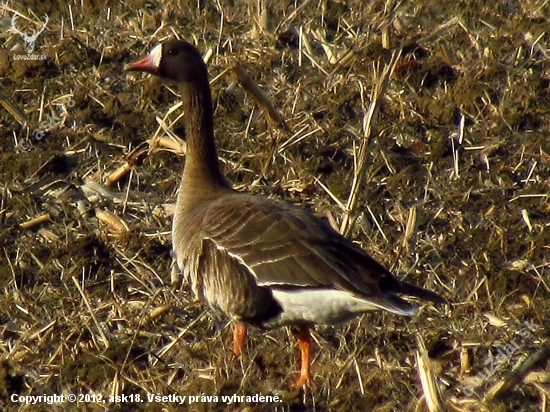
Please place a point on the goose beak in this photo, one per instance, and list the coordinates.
(149, 64)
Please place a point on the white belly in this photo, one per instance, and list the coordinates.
(318, 306)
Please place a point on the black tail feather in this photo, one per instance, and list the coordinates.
(418, 292)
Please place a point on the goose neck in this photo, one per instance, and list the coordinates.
(201, 163)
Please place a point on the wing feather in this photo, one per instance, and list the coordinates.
(284, 245)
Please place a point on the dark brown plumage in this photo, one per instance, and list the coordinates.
(262, 262)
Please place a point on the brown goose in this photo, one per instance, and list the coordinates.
(263, 262)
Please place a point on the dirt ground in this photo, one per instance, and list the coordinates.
(454, 195)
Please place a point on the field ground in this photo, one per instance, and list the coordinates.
(454, 196)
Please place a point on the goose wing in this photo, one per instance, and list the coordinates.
(284, 246)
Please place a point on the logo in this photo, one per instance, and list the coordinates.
(30, 40)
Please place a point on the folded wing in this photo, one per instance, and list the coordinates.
(285, 247)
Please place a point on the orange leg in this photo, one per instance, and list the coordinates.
(239, 338)
(304, 341)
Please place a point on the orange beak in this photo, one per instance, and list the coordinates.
(149, 63)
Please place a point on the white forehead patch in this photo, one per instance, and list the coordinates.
(156, 55)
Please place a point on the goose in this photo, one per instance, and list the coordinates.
(263, 262)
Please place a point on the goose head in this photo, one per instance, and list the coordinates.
(175, 60)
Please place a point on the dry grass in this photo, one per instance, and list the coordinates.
(452, 186)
